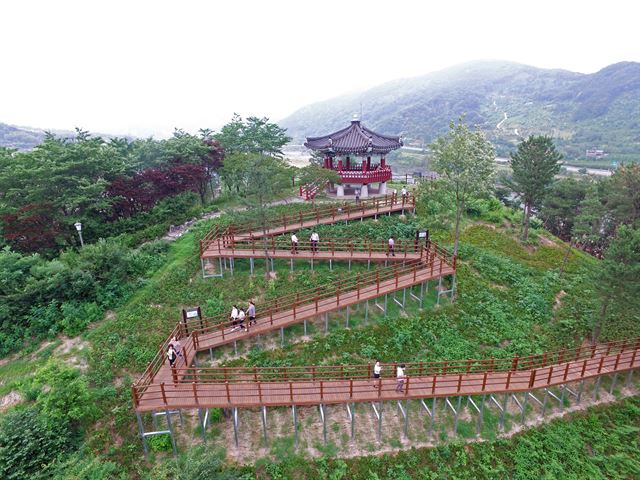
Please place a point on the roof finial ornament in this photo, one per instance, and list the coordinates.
(356, 118)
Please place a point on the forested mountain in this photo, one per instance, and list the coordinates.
(18, 137)
(506, 100)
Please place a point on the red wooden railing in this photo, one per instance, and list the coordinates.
(344, 383)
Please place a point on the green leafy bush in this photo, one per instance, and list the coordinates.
(29, 444)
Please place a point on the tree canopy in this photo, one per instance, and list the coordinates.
(253, 135)
(465, 162)
(534, 165)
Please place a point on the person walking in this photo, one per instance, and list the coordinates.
(171, 355)
(294, 243)
(400, 378)
(315, 238)
(377, 370)
(251, 312)
(177, 346)
(234, 317)
(392, 245)
(241, 318)
(404, 194)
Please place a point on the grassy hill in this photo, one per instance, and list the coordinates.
(511, 299)
(506, 100)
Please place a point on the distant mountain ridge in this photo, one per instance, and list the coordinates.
(26, 138)
(507, 100)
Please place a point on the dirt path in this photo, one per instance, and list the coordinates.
(176, 231)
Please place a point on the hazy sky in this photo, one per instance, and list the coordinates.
(145, 67)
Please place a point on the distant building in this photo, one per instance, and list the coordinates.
(595, 153)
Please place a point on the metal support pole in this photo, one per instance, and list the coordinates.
(326, 323)
(202, 427)
(421, 294)
(351, 411)
(251, 266)
(282, 336)
(221, 269)
(347, 323)
(455, 431)
(433, 416)
(629, 375)
(439, 290)
(366, 312)
(595, 392)
(544, 401)
(505, 402)
(613, 383)
(305, 327)
(324, 422)
(141, 432)
(386, 295)
(263, 415)
(173, 437)
(580, 392)
(291, 264)
(524, 407)
(330, 265)
(235, 347)
(481, 421)
(211, 353)
(295, 423)
(231, 265)
(379, 435)
(235, 426)
(272, 269)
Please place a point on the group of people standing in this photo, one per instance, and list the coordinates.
(239, 317)
(174, 350)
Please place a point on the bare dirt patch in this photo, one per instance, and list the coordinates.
(9, 400)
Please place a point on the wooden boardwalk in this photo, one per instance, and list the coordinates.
(411, 266)
(241, 389)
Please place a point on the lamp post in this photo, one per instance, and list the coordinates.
(78, 226)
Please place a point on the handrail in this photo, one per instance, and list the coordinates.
(316, 213)
(355, 371)
(250, 387)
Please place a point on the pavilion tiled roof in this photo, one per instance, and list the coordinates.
(355, 139)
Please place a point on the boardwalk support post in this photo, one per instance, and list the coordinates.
(347, 321)
(378, 413)
(202, 426)
(263, 416)
(351, 414)
(173, 438)
(235, 426)
(295, 423)
(405, 414)
(142, 435)
(613, 383)
(324, 422)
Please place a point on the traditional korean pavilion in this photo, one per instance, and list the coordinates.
(349, 152)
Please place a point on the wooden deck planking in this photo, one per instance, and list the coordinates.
(338, 391)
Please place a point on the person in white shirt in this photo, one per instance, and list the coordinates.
(234, 316)
(400, 377)
(404, 194)
(377, 369)
(241, 318)
(315, 238)
(294, 244)
(177, 346)
(392, 244)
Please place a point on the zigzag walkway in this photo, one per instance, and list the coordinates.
(163, 390)
(412, 266)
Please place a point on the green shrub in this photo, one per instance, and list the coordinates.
(160, 443)
(29, 445)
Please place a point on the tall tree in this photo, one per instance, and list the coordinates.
(534, 165)
(618, 279)
(253, 135)
(465, 162)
